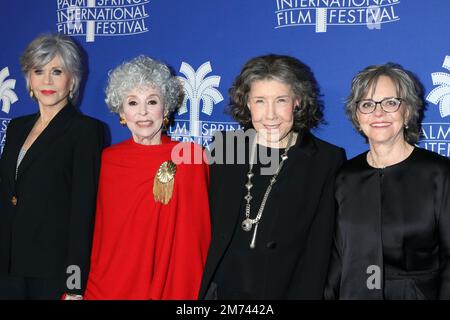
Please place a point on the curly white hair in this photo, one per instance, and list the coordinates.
(141, 72)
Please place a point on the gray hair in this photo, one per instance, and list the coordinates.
(409, 89)
(288, 70)
(139, 72)
(44, 48)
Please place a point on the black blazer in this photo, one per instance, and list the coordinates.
(308, 206)
(50, 226)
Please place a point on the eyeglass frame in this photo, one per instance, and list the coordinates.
(400, 100)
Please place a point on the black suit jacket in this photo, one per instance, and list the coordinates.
(298, 262)
(50, 227)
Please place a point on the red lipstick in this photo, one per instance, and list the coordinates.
(48, 92)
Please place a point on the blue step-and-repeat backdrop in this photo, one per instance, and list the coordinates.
(206, 42)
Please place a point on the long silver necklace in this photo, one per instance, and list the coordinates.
(248, 223)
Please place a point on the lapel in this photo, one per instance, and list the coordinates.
(305, 144)
(54, 130)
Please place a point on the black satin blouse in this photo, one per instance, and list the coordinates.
(392, 223)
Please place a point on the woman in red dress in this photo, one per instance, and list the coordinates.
(152, 228)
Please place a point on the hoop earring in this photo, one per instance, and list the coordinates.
(122, 121)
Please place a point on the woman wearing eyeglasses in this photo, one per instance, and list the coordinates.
(392, 238)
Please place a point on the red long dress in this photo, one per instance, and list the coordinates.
(142, 249)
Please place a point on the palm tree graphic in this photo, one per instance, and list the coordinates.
(441, 94)
(7, 95)
(198, 88)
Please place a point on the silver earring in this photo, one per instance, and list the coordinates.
(406, 126)
(70, 94)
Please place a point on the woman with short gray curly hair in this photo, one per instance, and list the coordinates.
(152, 226)
(142, 72)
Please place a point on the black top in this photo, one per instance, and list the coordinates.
(295, 236)
(398, 220)
(241, 273)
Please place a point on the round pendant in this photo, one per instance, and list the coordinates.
(247, 224)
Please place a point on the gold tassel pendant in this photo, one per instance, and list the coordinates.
(164, 182)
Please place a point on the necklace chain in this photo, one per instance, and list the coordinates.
(248, 223)
(376, 165)
(370, 158)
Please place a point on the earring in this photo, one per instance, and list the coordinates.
(70, 94)
(122, 121)
(165, 121)
(406, 126)
(31, 93)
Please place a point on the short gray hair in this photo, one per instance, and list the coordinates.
(44, 48)
(139, 72)
(409, 89)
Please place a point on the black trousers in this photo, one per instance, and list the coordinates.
(21, 288)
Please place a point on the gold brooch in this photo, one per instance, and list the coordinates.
(164, 182)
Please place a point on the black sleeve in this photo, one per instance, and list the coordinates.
(321, 235)
(85, 174)
(332, 286)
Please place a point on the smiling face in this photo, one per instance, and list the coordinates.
(143, 111)
(51, 84)
(271, 104)
(379, 126)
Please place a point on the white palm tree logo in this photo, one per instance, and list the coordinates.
(198, 88)
(7, 95)
(441, 94)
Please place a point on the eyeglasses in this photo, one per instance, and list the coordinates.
(389, 105)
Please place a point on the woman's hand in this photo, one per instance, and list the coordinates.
(70, 296)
